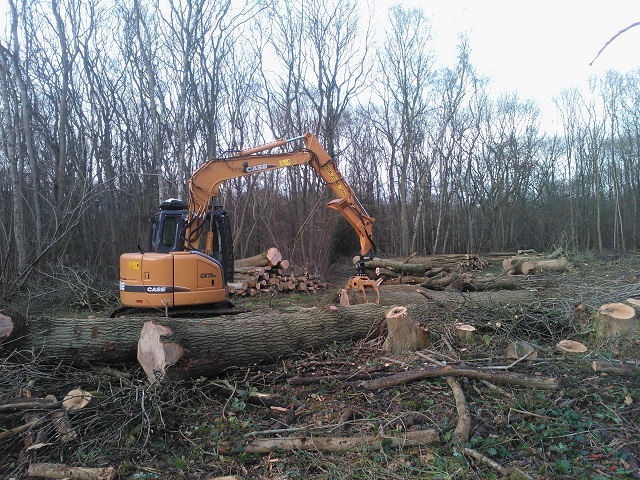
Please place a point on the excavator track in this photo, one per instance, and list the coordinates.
(196, 311)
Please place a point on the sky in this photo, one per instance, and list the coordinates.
(537, 48)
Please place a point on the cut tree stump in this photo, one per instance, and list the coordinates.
(466, 334)
(615, 320)
(404, 333)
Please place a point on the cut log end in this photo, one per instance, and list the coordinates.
(155, 355)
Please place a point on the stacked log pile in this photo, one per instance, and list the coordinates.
(269, 273)
(459, 271)
(436, 272)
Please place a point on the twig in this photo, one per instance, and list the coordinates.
(635, 24)
(515, 362)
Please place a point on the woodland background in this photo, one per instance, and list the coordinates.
(107, 107)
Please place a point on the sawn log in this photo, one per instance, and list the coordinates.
(210, 344)
(206, 348)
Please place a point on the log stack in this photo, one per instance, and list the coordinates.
(269, 273)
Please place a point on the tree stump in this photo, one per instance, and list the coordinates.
(404, 333)
(615, 319)
(466, 334)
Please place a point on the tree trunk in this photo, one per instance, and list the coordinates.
(210, 345)
(500, 377)
(537, 266)
(400, 267)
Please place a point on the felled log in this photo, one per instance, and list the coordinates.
(616, 319)
(332, 444)
(616, 368)
(213, 344)
(209, 346)
(469, 283)
(536, 266)
(265, 259)
(416, 269)
(54, 470)
(500, 377)
(440, 282)
(404, 333)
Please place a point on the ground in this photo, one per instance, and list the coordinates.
(589, 427)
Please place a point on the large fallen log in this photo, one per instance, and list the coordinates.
(332, 444)
(194, 348)
(416, 269)
(211, 344)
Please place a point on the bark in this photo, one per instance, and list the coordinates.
(500, 377)
(463, 428)
(404, 333)
(466, 334)
(616, 368)
(417, 270)
(616, 319)
(54, 470)
(332, 444)
(441, 282)
(211, 344)
(468, 283)
(537, 266)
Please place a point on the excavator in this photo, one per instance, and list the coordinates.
(191, 248)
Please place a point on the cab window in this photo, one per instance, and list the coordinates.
(169, 232)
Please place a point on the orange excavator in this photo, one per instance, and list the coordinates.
(191, 257)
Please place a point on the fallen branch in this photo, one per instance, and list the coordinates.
(617, 368)
(19, 429)
(463, 427)
(505, 378)
(331, 444)
(54, 470)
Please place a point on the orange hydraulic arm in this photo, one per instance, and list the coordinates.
(206, 180)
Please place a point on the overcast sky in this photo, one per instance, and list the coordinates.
(536, 47)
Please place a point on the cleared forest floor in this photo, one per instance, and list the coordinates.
(589, 427)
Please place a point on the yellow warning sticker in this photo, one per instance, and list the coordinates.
(285, 162)
(134, 265)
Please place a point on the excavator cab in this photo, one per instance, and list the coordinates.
(172, 274)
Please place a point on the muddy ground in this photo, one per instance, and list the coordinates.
(588, 427)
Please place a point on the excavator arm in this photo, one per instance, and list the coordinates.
(206, 180)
